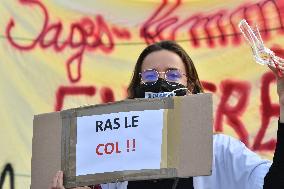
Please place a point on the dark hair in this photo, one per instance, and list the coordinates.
(193, 82)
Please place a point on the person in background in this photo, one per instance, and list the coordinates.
(166, 67)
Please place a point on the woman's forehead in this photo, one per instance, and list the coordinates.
(162, 60)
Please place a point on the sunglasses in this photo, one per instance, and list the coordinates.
(151, 76)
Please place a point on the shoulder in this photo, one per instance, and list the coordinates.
(224, 138)
(228, 149)
(231, 150)
(225, 147)
(222, 141)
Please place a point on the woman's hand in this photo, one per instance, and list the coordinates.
(57, 182)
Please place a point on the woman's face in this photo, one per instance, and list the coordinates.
(164, 60)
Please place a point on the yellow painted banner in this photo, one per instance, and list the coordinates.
(59, 54)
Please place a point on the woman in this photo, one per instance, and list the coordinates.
(166, 67)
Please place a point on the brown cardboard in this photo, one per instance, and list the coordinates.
(46, 149)
(186, 142)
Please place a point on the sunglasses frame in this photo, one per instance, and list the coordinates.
(158, 73)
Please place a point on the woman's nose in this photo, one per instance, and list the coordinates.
(162, 75)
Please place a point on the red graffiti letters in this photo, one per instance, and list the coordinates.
(213, 27)
(85, 35)
(233, 113)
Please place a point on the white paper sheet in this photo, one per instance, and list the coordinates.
(132, 148)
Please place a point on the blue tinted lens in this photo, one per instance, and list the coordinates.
(173, 75)
(149, 76)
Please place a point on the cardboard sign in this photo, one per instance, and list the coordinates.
(119, 141)
(116, 141)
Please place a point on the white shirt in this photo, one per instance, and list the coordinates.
(234, 167)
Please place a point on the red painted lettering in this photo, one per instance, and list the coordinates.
(97, 149)
(268, 110)
(239, 90)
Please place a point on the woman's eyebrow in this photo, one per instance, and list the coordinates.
(172, 68)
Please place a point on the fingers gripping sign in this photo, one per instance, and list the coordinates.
(57, 182)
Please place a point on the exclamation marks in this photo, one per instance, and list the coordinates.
(127, 145)
(131, 145)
